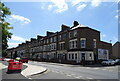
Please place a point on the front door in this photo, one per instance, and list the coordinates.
(82, 56)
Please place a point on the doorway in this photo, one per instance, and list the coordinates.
(82, 56)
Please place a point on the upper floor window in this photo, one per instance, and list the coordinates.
(59, 38)
(51, 39)
(55, 39)
(73, 43)
(62, 45)
(44, 41)
(70, 34)
(83, 42)
(47, 40)
(54, 46)
(64, 36)
(94, 43)
(75, 33)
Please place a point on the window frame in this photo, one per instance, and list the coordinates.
(83, 44)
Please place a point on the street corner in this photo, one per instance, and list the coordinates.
(33, 70)
(2, 66)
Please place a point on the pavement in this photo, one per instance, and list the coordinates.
(33, 70)
(3, 66)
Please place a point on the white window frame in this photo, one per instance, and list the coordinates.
(47, 40)
(60, 38)
(51, 39)
(55, 39)
(75, 33)
(84, 42)
(60, 43)
(71, 43)
(94, 43)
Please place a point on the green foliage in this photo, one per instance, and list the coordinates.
(6, 35)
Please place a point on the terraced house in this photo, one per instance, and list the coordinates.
(71, 44)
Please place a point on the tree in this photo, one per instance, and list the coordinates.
(5, 26)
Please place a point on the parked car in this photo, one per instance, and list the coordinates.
(18, 58)
(108, 62)
(117, 61)
(24, 60)
(2, 59)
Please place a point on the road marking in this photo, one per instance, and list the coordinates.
(87, 68)
(89, 78)
(68, 75)
(72, 74)
(29, 78)
(77, 77)
(80, 76)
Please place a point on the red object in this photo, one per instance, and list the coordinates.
(1, 59)
(23, 60)
(11, 60)
(15, 66)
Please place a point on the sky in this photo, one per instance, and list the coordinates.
(30, 19)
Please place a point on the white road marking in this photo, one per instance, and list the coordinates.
(89, 78)
(80, 76)
(29, 78)
(69, 75)
(77, 77)
(72, 74)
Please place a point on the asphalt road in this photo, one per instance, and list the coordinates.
(63, 71)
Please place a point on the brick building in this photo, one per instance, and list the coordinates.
(116, 50)
(71, 44)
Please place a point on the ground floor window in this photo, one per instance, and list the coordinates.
(72, 56)
(75, 55)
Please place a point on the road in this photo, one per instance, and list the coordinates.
(64, 71)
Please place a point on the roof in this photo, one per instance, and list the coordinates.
(80, 25)
(117, 43)
(105, 42)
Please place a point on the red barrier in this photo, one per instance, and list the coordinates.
(14, 67)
